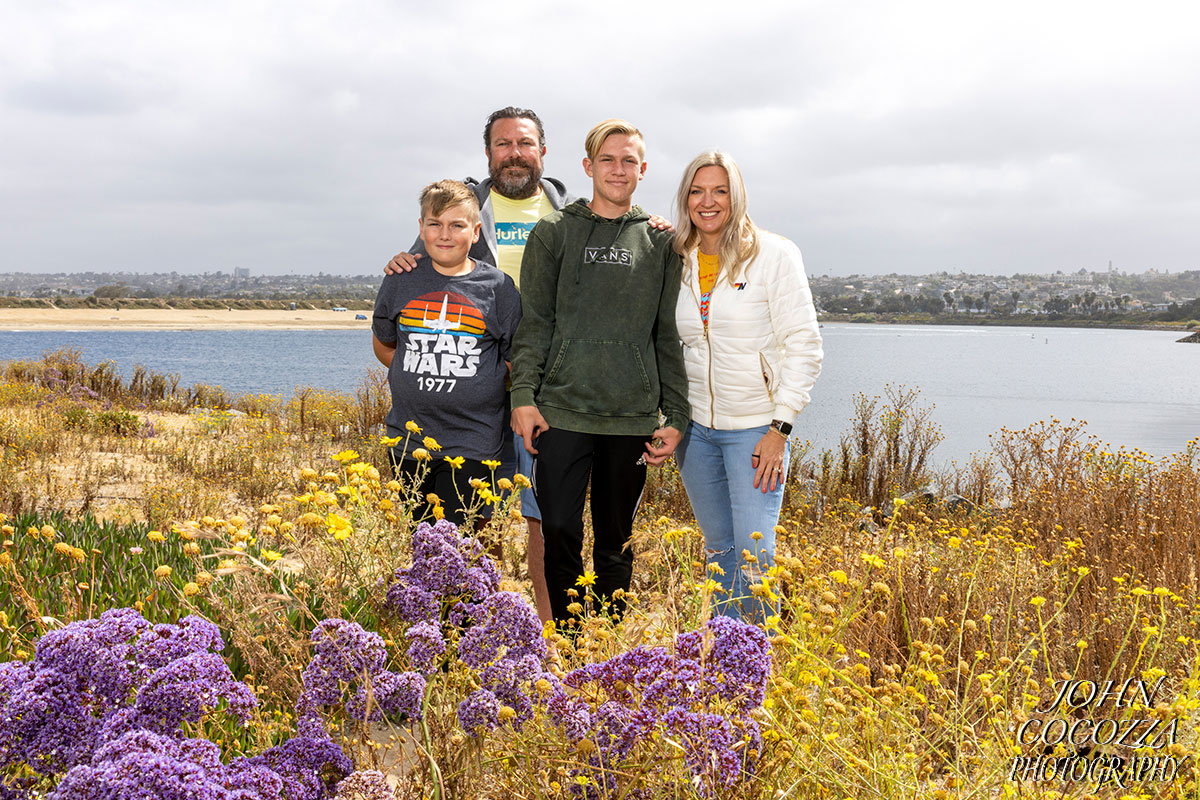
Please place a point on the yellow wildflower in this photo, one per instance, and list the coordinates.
(492, 463)
(190, 589)
(456, 462)
(504, 485)
(586, 579)
(340, 527)
(204, 578)
(271, 556)
(163, 572)
(155, 536)
(431, 443)
(191, 549)
(439, 512)
(345, 457)
(874, 560)
(420, 454)
(521, 481)
(1037, 602)
(390, 441)
(412, 427)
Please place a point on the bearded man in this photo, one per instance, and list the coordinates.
(514, 196)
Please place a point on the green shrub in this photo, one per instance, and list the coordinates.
(117, 422)
(77, 418)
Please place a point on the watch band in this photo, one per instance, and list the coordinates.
(782, 427)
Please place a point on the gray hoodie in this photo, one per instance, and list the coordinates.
(485, 248)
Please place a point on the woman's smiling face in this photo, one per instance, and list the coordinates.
(708, 201)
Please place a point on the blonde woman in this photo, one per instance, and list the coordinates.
(752, 353)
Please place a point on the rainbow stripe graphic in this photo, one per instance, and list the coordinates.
(442, 312)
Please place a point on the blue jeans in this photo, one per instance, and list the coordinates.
(716, 471)
(514, 458)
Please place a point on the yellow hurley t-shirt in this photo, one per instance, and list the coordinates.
(709, 268)
(514, 220)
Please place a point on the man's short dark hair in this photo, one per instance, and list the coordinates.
(512, 112)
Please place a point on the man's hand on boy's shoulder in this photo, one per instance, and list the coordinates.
(660, 223)
(401, 262)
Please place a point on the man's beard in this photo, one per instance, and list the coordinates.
(516, 188)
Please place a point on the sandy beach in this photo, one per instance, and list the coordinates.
(75, 319)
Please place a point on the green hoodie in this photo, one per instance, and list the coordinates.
(597, 350)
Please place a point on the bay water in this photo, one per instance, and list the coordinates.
(1137, 389)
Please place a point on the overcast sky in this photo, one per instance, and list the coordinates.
(880, 136)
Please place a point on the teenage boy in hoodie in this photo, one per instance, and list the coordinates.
(595, 359)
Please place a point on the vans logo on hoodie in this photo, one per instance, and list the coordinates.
(608, 255)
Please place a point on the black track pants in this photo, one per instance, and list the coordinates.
(561, 469)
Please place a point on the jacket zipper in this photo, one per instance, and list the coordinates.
(712, 396)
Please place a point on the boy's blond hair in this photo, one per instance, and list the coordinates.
(597, 135)
(438, 196)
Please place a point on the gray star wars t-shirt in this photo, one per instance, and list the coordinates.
(452, 337)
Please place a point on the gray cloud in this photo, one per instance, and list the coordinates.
(881, 137)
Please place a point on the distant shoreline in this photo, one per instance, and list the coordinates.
(144, 319)
(1021, 321)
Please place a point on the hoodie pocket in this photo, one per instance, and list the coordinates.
(599, 376)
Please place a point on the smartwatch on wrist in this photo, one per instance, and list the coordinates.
(780, 426)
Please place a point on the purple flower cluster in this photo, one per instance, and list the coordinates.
(701, 694)
(504, 627)
(446, 568)
(94, 680)
(451, 601)
(349, 661)
(367, 784)
(141, 764)
(425, 644)
(101, 708)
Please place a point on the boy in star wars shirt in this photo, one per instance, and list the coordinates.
(444, 335)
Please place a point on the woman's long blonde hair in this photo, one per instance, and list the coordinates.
(739, 239)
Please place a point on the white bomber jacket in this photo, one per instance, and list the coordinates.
(762, 352)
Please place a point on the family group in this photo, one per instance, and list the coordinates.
(606, 340)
